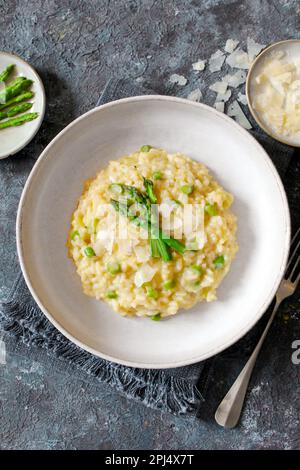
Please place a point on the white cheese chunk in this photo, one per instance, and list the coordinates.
(199, 65)
(178, 79)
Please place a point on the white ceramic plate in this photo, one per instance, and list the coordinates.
(237, 161)
(13, 139)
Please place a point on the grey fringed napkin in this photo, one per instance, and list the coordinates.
(180, 391)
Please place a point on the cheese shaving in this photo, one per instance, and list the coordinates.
(195, 95)
(242, 98)
(230, 45)
(178, 79)
(216, 61)
(234, 110)
(224, 96)
(253, 48)
(235, 79)
(239, 59)
(199, 66)
(219, 105)
(219, 87)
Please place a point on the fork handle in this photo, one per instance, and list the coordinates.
(229, 410)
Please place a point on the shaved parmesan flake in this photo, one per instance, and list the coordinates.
(238, 59)
(219, 105)
(144, 274)
(219, 87)
(236, 79)
(234, 110)
(216, 61)
(224, 96)
(178, 79)
(253, 48)
(242, 98)
(199, 66)
(195, 95)
(230, 45)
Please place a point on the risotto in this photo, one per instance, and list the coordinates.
(153, 233)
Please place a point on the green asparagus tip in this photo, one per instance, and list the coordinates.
(6, 73)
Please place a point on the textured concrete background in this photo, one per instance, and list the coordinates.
(76, 47)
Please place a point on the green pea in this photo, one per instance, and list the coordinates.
(197, 268)
(187, 189)
(170, 284)
(156, 317)
(89, 252)
(211, 209)
(145, 148)
(74, 234)
(219, 262)
(114, 267)
(152, 293)
(111, 294)
(157, 175)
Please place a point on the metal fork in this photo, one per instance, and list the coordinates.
(229, 410)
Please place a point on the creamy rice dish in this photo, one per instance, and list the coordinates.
(153, 233)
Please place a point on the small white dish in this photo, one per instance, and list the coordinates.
(291, 48)
(236, 160)
(13, 139)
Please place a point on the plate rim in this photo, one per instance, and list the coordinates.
(40, 119)
(156, 365)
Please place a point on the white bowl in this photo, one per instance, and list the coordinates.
(236, 160)
(13, 139)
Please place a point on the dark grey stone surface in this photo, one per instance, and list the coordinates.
(76, 46)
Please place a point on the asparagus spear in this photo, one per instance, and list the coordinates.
(17, 99)
(17, 86)
(18, 120)
(20, 108)
(6, 73)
